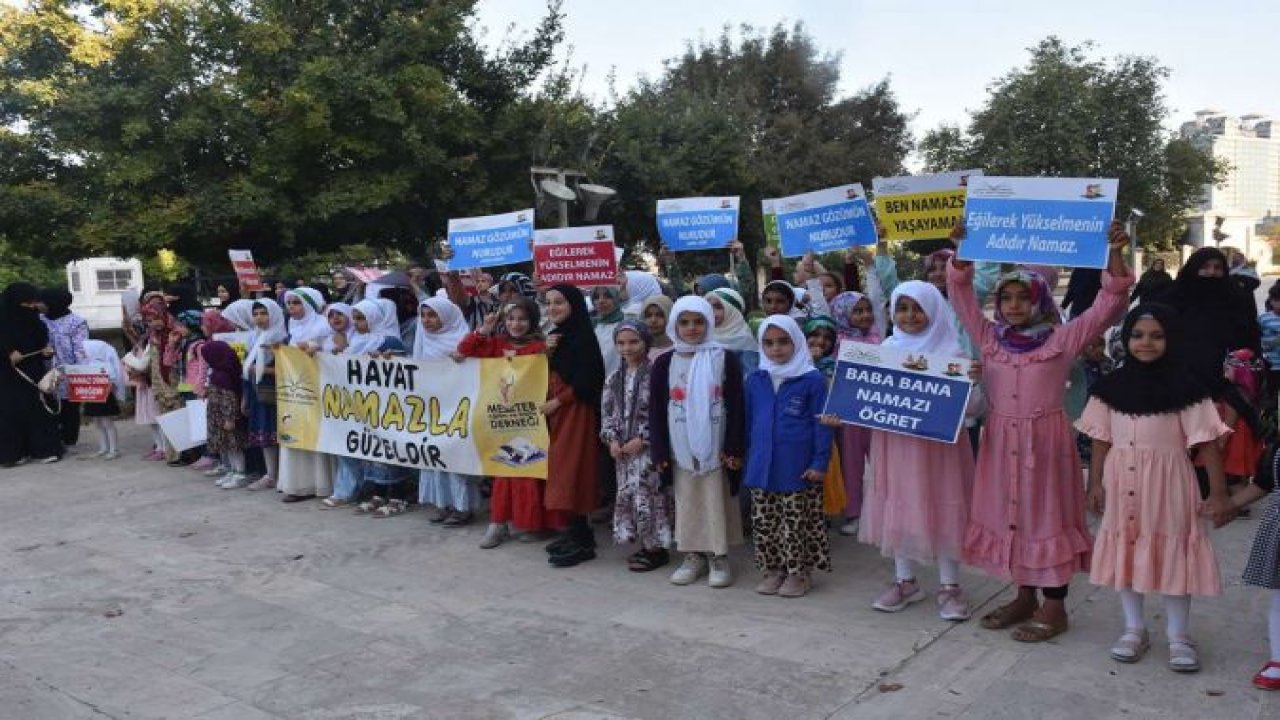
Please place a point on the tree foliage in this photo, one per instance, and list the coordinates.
(272, 125)
(1068, 114)
(757, 117)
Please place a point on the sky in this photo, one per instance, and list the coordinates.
(939, 56)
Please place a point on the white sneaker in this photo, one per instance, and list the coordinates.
(227, 479)
(95, 456)
(239, 481)
(219, 471)
(850, 527)
(721, 575)
(690, 570)
(111, 455)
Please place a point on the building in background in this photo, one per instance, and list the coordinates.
(1230, 215)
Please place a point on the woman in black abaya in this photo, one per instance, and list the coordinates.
(27, 429)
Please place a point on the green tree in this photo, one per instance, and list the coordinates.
(1068, 114)
(759, 117)
(273, 125)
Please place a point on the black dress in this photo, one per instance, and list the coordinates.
(27, 429)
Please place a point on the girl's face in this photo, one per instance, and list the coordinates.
(605, 305)
(338, 322)
(820, 343)
(181, 330)
(224, 295)
(777, 345)
(630, 346)
(1273, 304)
(775, 302)
(1015, 303)
(862, 316)
(431, 321)
(936, 274)
(717, 309)
(909, 317)
(829, 287)
(261, 318)
(156, 323)
(507, 292)
(280, 288)
(517, 322)
(655, 320)
(558, 307)
(294, 305)
(361, 322)
(691, 327)
(1213, 268)
(1147, 341)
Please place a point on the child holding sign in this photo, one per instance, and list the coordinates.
(859, 318)
(104, 414)
(1027, 520)
(917, 503)
(1142, 419)
(788, 453)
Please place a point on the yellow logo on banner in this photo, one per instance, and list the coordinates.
(512, 437)
(297, 399)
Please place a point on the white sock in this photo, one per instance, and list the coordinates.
(904, 569)
(948, 571)
(235, 460)
(1178, 610)
(1131, 603)
(1273, 624)
(271, 456)
(113, 435)
(104, 438)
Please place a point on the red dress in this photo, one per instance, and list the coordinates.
(571, 462)
(517, 500)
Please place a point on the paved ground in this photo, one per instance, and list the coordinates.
(134, 591)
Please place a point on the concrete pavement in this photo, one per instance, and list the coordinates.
(131, 590)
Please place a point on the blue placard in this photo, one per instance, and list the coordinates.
(826, 228)
(492, 240)
(873, 387)
(1039, 221)
(697, 229)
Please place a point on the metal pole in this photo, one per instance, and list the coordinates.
(564, 204)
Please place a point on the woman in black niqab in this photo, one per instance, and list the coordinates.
(1214, 316)
(27, 430)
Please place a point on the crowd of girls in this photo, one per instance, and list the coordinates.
(700, 421)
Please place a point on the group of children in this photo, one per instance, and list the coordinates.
(704, 425)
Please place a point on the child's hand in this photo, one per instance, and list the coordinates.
(552, 341)
(975, 372)
(633, 447)
(1117, 238)
(730, 462)
(1219, 508)
(737, 249)
(490, 324)
(549, 407)
(457, 356)
(812, 476)
(446, 252)
(615, 450)
(957, 237)
(1097, 500)
(831, 421)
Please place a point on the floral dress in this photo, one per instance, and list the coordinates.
(643, 511)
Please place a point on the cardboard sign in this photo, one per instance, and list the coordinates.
(491, 240)
(884, 388)
(700, 223)
(820, 221)
(922, 207)
(186, 428)
(87, 383)
(246, 270)
(1041, 221)
(582, 256)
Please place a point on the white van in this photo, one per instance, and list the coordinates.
(100, 286)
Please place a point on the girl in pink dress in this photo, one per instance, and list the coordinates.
(1142, 419)
(917, 504)
(1026, 521)
(859, 318)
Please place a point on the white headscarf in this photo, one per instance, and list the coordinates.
(103, 354)
(734, 333)
(313, 326)
(800, 362)
(640, 287)
(453, 327)
(363, 343)
(345, 310)
(940, 336)
(390, 324)
(707, 356)
(240, 314)
(260, 341)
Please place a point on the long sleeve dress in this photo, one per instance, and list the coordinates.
(1027, 515)
(643, 510)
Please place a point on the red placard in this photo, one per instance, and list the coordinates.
(585, 264)
(88, 387)
(246, 270)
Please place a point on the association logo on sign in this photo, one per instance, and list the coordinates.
(992, 190)
(1093, 191)
(292, 388)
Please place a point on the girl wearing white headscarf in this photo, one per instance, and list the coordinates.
(916, 508)
(696, 440)
(259, 396)
(640, 287)
(371, 315)
(456, 497)
(304, 474)
(732, 331)
(104, 414)
(788, 454)
(342, 330)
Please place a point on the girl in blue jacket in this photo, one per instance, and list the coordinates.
(787, 456)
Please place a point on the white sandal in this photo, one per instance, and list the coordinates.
(1131, 646)
(1183, 656)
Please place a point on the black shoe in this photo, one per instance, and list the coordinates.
(560, 544)
(577, 556)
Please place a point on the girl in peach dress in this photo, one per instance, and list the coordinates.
(1153, 538)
